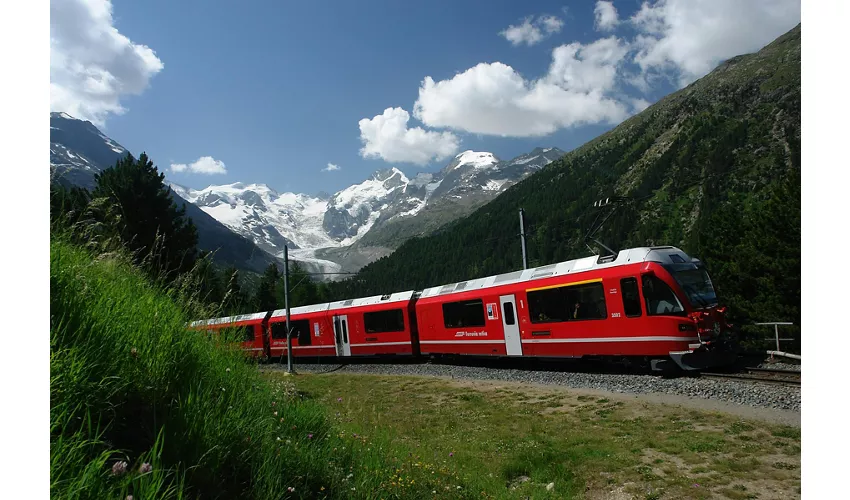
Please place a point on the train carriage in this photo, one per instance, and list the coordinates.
(250, 327)
(312, 334)
(649, 302)
(377, 325)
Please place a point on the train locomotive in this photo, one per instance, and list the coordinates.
(650, 304)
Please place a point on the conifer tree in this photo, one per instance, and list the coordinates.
(266, 298)
(153, 228)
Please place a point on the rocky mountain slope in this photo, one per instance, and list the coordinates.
(78, 150)
(368, 220)
(713, 168)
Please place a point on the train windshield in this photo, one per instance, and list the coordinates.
(696, 283)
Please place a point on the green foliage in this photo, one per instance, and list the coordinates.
(267, 290)
(129, 383)
(715, 168)
(151, 225)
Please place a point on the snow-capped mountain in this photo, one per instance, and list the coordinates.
(78, 151)
(313, 225)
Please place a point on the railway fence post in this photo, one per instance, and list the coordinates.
(286, 305)
(522, 237)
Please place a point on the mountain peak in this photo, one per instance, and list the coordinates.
(61, 114)
(475, 159)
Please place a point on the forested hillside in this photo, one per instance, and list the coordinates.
(713, 168)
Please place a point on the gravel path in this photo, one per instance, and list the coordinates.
(756, 395)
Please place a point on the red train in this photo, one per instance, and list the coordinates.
(655, 304)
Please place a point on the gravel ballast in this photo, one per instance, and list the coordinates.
(759, 395)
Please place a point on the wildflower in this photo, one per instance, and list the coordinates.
(278, 438)
(339, 400)
(145, 468)
(227, 370)
(322, 488)
(696, 485)
(290, 489)
(222, 389)
(274, 403)
(119, 468)
(134, 352)
(309, 436)
(550, 486)
(451, 453)
(129, 497)
(275, 414)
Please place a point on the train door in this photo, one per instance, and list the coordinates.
(513, 343)
(343, 347)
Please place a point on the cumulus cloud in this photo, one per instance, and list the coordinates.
(690, 37)
(92, 65)
(532, 31)
(493, 99)
(640, 104)
(331, 168)
(387, 136)
(204, 165)
(606, 15)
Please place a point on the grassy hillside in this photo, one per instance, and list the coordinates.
(713, 168)
(142, 407)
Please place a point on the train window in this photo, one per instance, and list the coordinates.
(463, 314)
(248, 334)
(344, 331)
(508, 309)
(337, 330)
(279, 330)
(631, 297)
(384, 321)
(300, 329)
(659, 298)
(567, 303)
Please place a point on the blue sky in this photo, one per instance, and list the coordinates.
(277, 90)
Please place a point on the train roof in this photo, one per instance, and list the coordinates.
(228, 319)
(278, 313)
(345, 304)
(373, 300)
(666, 254)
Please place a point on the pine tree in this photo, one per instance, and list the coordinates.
(266, 297)
(152, 227)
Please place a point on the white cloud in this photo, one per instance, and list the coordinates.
(387, 136)
(640, 104)
(92, 65)
(606, 15)
(493, 99)
(690, 37)
(532, 31)
(331, 168)
(204, 165)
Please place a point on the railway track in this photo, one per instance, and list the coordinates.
(789, 378)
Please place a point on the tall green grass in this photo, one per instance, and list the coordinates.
(130, 384)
